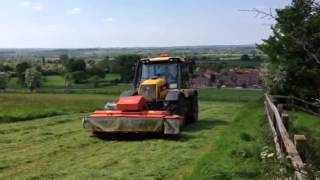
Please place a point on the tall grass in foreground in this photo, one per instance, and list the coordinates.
(309, 125)
(236, 153)
(231, 95)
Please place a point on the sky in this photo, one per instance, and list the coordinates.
(132, 23)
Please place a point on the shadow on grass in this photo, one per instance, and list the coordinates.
(194, 127)
(139, 136)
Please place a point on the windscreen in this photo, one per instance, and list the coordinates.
(168, 71)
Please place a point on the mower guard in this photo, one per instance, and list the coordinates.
(113, 121)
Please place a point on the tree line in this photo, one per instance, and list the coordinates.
(74, 70)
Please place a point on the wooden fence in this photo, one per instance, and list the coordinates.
(279, 122)
(298, 103)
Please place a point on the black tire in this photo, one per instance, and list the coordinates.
(177, 107)
(193, 111)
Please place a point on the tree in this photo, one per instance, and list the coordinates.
(64, 58)
(76, 69)
(124, 64)
(105, 65)
(96, 80)
(33, 79)
(293, 66)
(76, 65)
(4, 79)
(43, 59)
(21, 69)
(97, 71)
(245, 57)
(79, 76)
(68, 81)
(5, 68)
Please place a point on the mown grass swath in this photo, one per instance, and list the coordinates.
(16, 107)
(58, 148)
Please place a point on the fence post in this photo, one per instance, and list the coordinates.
(300, 141)
(285, 119)
(280, 108)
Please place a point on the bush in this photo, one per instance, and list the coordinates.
(4, 79)
(124, 64)
(79, 77)
(33, 79)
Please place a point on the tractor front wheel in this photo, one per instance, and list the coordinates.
(178, 107)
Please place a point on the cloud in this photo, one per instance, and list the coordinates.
(261, 7)
(108, 19)
(25, 3)
(37, 7)
(32, 6)
(74, 11)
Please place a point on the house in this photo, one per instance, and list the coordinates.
(230, 78)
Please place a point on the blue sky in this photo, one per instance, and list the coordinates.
(131, 23)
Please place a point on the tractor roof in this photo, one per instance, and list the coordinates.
(163, 59)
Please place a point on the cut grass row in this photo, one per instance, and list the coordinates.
(17, 107)
(58, 148)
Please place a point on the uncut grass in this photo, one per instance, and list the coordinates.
(309, 125)
(17, 107)
(58, 148)
(231, 95)
(236, 152)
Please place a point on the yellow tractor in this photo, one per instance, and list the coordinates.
(161, 100)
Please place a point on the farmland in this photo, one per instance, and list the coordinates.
(54, 145)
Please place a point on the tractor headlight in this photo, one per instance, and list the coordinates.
(148, 92)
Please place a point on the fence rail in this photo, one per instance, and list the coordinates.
(278, 120)
(298, 103)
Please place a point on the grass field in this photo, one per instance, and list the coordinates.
(17, 107)
(226, 142)
(236, 153)
(57, 82)
(230, 95)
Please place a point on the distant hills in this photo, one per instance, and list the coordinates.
(99, 53)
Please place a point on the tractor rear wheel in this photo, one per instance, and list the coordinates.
(193, 110)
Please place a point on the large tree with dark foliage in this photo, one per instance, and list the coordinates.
(124, 64)
(76, 65)
(293, 67)
(21, 69)
(4, 79)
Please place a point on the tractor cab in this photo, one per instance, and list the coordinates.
(174, 70)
